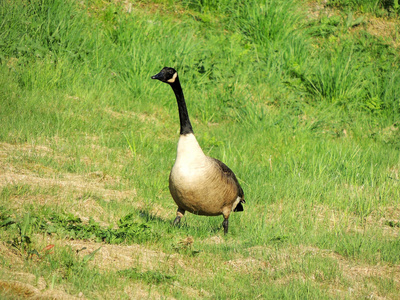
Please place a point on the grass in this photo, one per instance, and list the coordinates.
(308, 94)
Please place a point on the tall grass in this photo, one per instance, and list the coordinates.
(62, 52)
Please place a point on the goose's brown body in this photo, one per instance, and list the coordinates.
(199, 184)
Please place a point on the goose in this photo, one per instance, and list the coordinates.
(199, 184)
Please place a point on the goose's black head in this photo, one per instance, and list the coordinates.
(167, 75)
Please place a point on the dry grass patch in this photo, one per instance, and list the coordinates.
(142, 117)
(19, 290)
(70, 182)
(136, 290)
(217, 239)
(120, 257)
(108, 258)
(247, 265)
(383, 28)
(10, 256)
(123, 257)
(16, 284)
(93, 182)
(342, 276)
(29, 183)
(350, 267)
(330, 218)
(317, 10)
(73, 193)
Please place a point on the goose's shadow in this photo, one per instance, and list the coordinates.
(150, 217)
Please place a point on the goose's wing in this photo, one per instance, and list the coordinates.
(230, 176)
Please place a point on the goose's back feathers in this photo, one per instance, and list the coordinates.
(229, 175)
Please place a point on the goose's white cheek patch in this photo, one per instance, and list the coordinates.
(172, 80)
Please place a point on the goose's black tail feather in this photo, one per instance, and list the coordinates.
(239, 207)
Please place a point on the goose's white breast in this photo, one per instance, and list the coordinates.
(191, 164)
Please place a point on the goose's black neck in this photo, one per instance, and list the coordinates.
(186, 127)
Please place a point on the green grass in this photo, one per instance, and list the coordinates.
(304, 107)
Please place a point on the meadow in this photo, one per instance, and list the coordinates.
(300, 98)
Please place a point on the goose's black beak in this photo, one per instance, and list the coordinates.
(157, 76)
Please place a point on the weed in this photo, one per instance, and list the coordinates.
(67, 225)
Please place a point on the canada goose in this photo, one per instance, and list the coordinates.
(199, 184)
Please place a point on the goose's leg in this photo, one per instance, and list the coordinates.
(225, 224)
(179, 214)
(226, 212)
